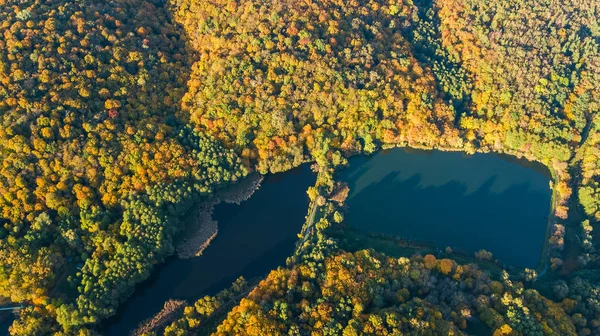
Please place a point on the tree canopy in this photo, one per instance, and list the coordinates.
(117, 116)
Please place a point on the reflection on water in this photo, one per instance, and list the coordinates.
(467, 202)
(437, 168)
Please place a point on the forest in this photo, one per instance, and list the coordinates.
(119, 116)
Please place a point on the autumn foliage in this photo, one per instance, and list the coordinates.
(116, 116)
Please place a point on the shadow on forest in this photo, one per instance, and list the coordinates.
(511, 223)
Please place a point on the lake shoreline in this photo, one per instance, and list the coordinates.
(168, 314)
(253, 238)
(555, 172)
(414, 160)
(204, 228)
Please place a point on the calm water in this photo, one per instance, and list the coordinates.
(254, 237)
(483, 201)
(5, 324)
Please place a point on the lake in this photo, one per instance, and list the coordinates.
(254, 237)
(468, 202)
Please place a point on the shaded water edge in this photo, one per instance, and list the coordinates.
(254, 237)
(201, 228)
(415, 194)
(541, 168)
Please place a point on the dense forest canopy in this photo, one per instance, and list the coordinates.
(117, 116)
(505, 76)
(330, 73)
(96, 165)
(365, 293)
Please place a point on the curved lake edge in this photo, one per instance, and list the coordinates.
(535, 165)
(269, 255)
(554, 174)
(527, 161)
(524, 159)
(201, 230)
(202, 227)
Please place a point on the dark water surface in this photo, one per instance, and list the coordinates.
(483, 201)
(254, 237)
(468, 202)
(5, 324)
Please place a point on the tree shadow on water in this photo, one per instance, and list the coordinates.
(510, 223)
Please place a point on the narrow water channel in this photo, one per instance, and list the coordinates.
(468, 202)
(254, 238)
